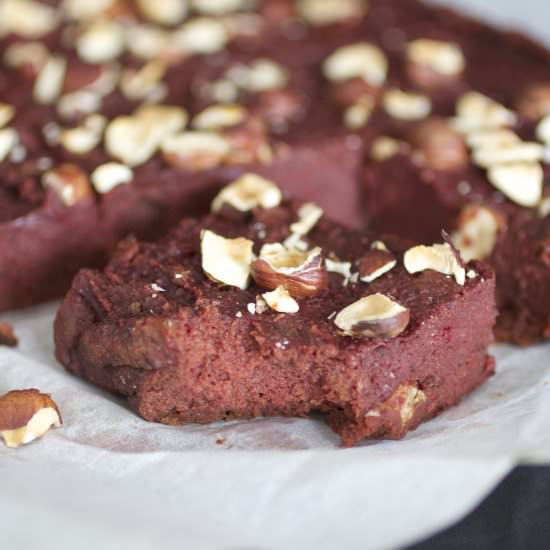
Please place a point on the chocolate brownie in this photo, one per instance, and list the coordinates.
(267, 307)
(120, 82)
(304, 91)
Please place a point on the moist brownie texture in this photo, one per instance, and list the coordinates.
(395, 112)
(181, 329)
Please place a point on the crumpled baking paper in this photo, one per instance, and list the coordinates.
(109, 480)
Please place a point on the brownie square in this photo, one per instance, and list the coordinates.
(182, 330)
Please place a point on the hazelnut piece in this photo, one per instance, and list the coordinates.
(280, 300)
(476, 111)
(406, 105)
(359, 60)
(302, 274)
(375, 316)
(69, 182)
(219, 116)
(226, 261)
(477, 232)
(110, 175)
(434, 63)
(195, 151)
(375, 263)
(326, 12)
(439, 257)
(26, 415)
(439, 145)
(247, 192)
(521, 182)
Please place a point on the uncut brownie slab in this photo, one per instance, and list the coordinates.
(181, 329)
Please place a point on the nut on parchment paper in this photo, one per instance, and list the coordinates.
(26, 415)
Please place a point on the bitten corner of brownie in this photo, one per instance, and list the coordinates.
(187, 346)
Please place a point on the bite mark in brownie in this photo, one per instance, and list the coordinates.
(184, 345)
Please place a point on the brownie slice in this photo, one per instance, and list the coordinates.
(330, 321)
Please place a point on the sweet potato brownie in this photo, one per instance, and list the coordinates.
(266, 307)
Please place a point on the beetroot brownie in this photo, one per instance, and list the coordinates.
(121, 117)
(266, 307)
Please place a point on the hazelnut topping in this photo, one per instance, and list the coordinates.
(375, 316)
(302, 274)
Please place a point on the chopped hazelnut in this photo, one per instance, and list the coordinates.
(476, 111)
(360, 60)
(384, 148)
(523, 151)
(375, 263)
(102, 40)
(477, 232)
(521, 182)
(264, 74)
(144, 82)
(327, 12)
(195, 151)
(438, 257)
(357, 115)
(163, 12)
(302, 274)
(280, 300)
(492, 138)
(217, 7)
(27, 18)
(7, 112)
(226, 261)
(49, 82)
(374, 316)
(247, 192)
(135, 139)
(201, 35)
(439, 145)
(26, 415)
(8, 140)
(308, 216)
(219, 116)
(543, 130)
(434, 63)
(69, 182)
(406, 105)
(110, 175)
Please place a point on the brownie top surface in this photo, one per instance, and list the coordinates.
(167, 280)
(58, 71)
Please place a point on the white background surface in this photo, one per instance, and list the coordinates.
(108, 479)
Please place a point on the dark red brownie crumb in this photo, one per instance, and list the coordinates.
(184, 348)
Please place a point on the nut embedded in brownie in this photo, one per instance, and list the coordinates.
(267, 307)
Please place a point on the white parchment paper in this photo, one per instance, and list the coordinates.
(108, 479)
